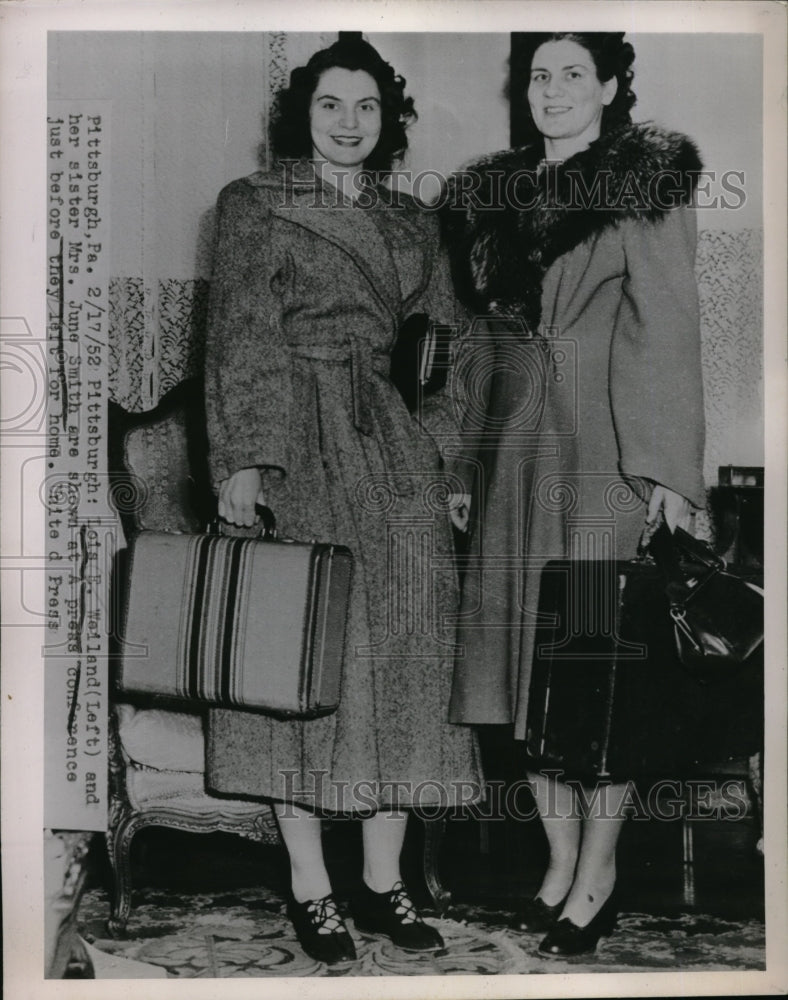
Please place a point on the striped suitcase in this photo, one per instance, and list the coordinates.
(236, 622)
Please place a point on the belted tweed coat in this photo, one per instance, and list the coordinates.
(307, 296)
(584, 376)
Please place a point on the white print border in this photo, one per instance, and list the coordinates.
(23, 69)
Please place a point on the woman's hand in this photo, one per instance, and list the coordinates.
(674, 507)
(460, 510)
(238, 496)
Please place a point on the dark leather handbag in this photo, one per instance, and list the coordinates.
(618, 690)
(420, 358)
(717, 616)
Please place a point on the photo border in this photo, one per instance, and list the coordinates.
(23, 63)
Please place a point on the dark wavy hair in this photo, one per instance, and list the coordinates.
(613, 57)
(290, 133)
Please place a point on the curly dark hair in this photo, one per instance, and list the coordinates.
(613, 57)
(290, 132)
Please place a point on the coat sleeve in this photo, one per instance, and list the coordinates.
(248, 381)
(656, 383)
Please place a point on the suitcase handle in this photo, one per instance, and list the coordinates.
(265, 528)
(267, 519)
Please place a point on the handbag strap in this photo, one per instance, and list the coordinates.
(680, 585)
(698, 550)
(666, 547)
(663, 548)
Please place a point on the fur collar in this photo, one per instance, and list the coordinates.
(509, 216)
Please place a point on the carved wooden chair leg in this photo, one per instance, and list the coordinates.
(434, 830)
(119, 838)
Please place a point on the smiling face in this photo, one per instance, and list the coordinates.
(565, 94)
(345, 117)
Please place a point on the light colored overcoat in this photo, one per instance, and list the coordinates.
(307, 296)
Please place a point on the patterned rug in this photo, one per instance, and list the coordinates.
(245, 933)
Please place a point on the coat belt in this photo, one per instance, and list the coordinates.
(364, 361)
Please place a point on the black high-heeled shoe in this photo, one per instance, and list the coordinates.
(393, 914)
(314, 915)
(536, 915)
(566, 938)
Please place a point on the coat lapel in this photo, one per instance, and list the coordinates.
(352, 229)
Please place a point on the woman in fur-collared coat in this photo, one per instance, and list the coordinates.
(585, 416)
(316, 268)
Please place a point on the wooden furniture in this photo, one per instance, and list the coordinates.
(142, 795)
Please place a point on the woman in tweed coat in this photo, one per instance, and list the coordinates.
(316, 268)
(587, 420)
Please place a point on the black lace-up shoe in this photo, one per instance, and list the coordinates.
(393, 914)
(321, 931)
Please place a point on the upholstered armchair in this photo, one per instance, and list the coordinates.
(157, 754)
(157, 778)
